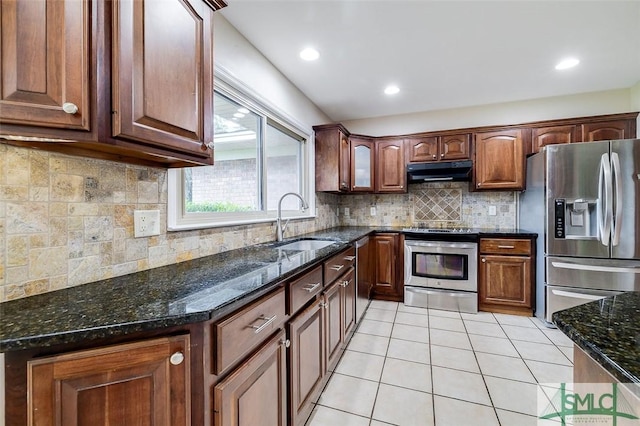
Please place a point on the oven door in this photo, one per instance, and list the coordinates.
(441, 264)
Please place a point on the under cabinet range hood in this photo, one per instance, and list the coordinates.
(439, 171)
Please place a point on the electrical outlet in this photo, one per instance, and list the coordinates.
(146, 223)
(346, 211)
(492, 210)
(372, 211)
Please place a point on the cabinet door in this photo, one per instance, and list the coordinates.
(607, 130)
(45, 63)
(505, 280)
(162, 81)
(420, 150)
(500, 160)
(348, 298)
(391, 173)
(306, 360)
(255, 394)
(344, 170)
(554, 135)
(362, 158)
(333, 324)
(385, 252)
(455, 147)
(144, 383)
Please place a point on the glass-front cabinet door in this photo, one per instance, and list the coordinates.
(361, 164)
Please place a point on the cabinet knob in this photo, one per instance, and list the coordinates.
(401, 186)
(441, 155)
(69, 108)
(206, 145)
(434, 156)
(176, 358)
(285, 342)
(478, 185)
(484, 260)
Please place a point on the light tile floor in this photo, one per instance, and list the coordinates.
(412, 366)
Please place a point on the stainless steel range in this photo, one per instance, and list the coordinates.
(441, 269)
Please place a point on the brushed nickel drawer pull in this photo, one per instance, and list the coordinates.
(349, 258)
(267, 321)
(311, 287)
(507, 247)
(337, 267)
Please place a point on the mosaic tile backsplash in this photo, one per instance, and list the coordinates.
(66, 221)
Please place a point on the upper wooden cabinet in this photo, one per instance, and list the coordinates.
(333, 159)
(110, 79)
(542, 136)
(437, 148)
(362, 164)
(609, 130)
(499, 162)
(588, 129)
(391, 173)
(46, 60)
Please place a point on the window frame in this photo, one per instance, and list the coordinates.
(179, 220)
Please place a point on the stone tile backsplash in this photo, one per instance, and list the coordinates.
(66, 221)
(434, 205)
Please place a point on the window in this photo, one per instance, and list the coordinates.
(258, 158)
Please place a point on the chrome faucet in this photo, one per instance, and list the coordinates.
(279, 227)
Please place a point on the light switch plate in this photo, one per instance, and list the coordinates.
(146, 223)
(372, 211)
(346, 211)
(492, 210)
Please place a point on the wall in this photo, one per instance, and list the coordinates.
(596, 103)
(635, 101)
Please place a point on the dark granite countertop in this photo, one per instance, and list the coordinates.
(609, 331)
(188, 292)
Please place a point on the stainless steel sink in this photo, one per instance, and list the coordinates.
(305, 245)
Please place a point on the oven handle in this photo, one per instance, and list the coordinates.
(413, 243)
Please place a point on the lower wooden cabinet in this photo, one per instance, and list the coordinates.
(348, 297)
(255, 394)
(306, 360)
(387, 253)
(506, 280)
(142, 383)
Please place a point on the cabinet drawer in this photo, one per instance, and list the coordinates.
(303, 289)
(338, 265)
(505, 246)
(246, 329)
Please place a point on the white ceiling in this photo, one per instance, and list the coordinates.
(442, 54)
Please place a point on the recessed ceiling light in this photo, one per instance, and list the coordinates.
(391, 90)
(309, 54)
(238, 115)
(243, 110)
(567, 63)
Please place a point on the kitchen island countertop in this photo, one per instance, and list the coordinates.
(197, 290)
(608, 330)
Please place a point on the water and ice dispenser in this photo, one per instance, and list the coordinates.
(576, 219)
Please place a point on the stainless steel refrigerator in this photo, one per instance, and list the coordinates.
(583, 200)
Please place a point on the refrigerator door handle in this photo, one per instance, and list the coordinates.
(605, 196)
(595, 268)
(617, 217)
